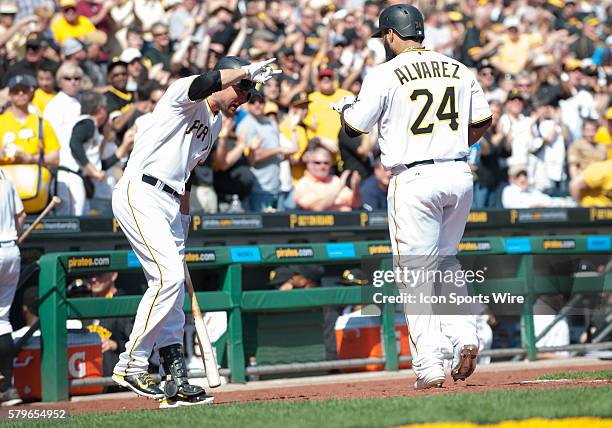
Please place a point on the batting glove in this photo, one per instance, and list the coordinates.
(339, 106)
(260, 72)
(185, 222)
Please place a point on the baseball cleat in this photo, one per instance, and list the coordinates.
(10, 397)
(436, 382)
(467, 363)
(183, 400)
(141, 383)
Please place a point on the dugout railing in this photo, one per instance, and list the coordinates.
(55, 308)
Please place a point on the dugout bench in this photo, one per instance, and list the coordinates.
(55, 308)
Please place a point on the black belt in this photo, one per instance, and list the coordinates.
(7, 243)
(430, 162)
(160, 185)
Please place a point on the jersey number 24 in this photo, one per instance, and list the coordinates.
(446, 111)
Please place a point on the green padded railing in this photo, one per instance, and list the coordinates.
(55, 307)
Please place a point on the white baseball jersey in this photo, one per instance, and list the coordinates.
(10, 205)
(175, 137)
(423, 102)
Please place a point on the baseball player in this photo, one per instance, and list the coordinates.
(429, 109)
(151, 204)
(12, 217)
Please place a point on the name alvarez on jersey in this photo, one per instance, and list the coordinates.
(426, 70)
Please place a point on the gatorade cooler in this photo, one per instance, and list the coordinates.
(360, 336)
(84, 362)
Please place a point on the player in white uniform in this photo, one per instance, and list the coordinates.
(428, 109)
(12, 217)
(151, 204)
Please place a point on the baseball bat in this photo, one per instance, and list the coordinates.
(206, 351)
(54, 201)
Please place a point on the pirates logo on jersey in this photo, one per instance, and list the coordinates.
(200, 130)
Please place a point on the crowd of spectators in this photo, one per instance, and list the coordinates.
(78, 76)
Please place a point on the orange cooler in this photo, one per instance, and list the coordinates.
(84, 362)
(360, 336)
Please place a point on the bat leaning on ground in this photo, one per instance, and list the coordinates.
(206, 351)
(54, 201)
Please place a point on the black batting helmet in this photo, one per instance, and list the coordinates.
(234, 63)
(404, 19)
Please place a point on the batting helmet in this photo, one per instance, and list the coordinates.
(404, 19)
(234, 63)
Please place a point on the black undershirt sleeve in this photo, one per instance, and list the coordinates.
(351, 132)
(482, 124)
(189, 182)
(205, 85)
(109, 161)
(82, 132)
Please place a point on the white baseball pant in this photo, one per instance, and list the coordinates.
(151, 221)
(428, 207)
(10, 260)
(71, 190)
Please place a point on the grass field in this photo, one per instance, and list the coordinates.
(596, 375)
(487, 407)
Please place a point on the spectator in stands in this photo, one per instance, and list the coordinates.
(99, 13)
(160, 52)
(62, 113)
(12, 31)
(523, 83)
(517, 128)
(292, 128)
(486, 78)
(87, 144)
(374, 189)
(285, 199)
(133, 37)
(585, 151)
(604, 132)
(45, 79)
(32, 60)
(547, 158)
(92, 44)
(518, 194)
(232, 174)
(581, 102)
(295, 77)
(309, 42)
(438, 36)
(318, 190)
(324, 121)
(265, 155)
(588, 39)
(548, 82)
(70, 23)
(137, 73)
(476, 44)
(119, 101)
(25, 137)
(593, 186)
(515, 46)
(203, 196)
(147, 96)
(491, 175)
(74, 52)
